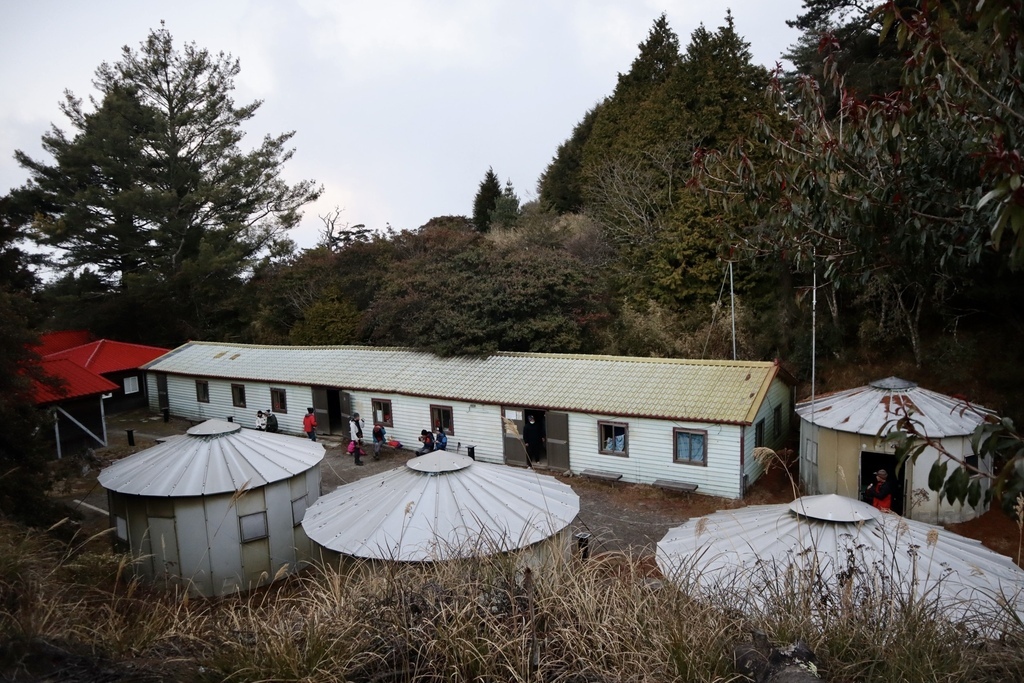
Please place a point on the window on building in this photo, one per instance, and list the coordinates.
(279, 401)
(238, 395)
(253, 527)
(691, 447)
(442, 415)
(759, 434)
(299, 506)
(777, 421)
(202, 391)
(382, 412)
(614, 438)
(131, 384)
(121, 528)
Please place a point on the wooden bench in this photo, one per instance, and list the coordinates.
(603, 476)
(675, 485)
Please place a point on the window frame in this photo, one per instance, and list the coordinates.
(279, 400)
(703, 462)
(612, 424)
(437, 410)
(759, 433)
(238, 395)
(134, 380)
(299, 507)
(248, 538)
(777, 418)
(204, 395)
(390, 422)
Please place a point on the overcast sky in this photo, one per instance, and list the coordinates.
(399, 106)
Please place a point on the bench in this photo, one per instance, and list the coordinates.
(675, 485)
(603, 476)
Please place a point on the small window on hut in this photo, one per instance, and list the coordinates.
(279, 401)
(777, 422)
(252, 527)
(442, 416)
(382, 412)
(614, 438)
(202, 391)
(299, 506)
(121, 528)
(238, 395)
(759, 434)
(691, 447)
(131, 385)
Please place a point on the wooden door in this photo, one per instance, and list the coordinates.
(512, 422)
(161, 391)
(321, 411)
(557, 426)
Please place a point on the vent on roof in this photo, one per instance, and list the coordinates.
(218, 355)
(235, 356)
(893, 384)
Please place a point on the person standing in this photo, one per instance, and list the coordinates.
(380, 435)
(261, 421)
(879, 493)
(271, 422)
(533, 439)
(309, 424)
(355, 428)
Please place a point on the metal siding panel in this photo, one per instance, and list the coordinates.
(225, 544)
(195, 545)
(279, 525)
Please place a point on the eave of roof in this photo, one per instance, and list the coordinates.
(78, 382)
(710, 391)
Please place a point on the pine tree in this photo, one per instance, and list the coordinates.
(154, 192)
(506, 208)
(486, 200)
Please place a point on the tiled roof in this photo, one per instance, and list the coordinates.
(686, 390)
(78, 382)
(105, 356)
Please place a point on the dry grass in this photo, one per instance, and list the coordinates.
(607, 619)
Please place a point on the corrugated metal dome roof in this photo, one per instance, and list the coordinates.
(441, 506)
(742, 551)
(213, 457)
(869, 409)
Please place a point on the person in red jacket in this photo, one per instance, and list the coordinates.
(879, 493)
(309, 424)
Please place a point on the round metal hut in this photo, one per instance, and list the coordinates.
(216, 510)
(443, 506)
(842, 445)
(836, 552)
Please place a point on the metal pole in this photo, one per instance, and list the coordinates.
(732, 308)
(814, 325)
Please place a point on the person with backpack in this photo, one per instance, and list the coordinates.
(309, 424)
(427, 439)
(380, 436)
(440, 440)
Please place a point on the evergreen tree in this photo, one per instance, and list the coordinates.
(486, 199)
(506, 208)
(23, 473)
(561, 186)
(154, 192)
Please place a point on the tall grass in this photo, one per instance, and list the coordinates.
(610, 618)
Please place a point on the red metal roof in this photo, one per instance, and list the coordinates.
(52, 342)
(105, 356)
(78, 382)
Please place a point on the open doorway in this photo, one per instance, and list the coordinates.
(871, 462)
